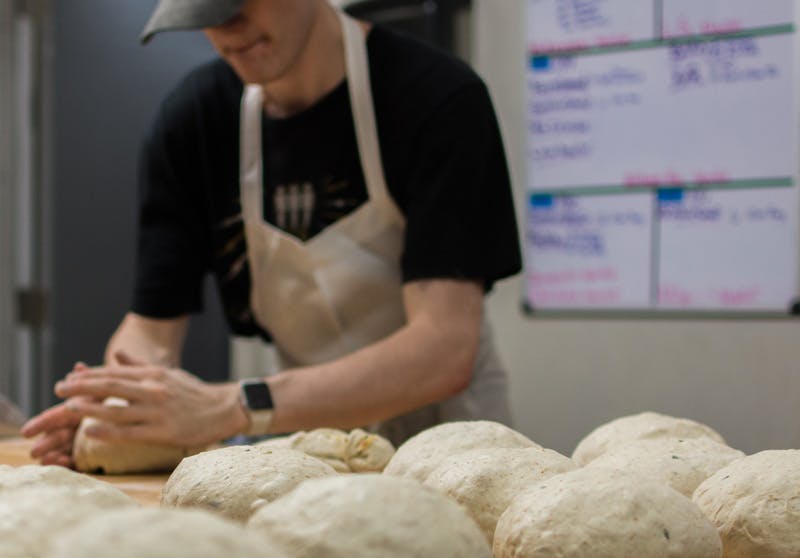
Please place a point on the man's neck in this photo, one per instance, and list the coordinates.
(319, 69)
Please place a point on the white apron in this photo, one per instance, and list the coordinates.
(342, 290)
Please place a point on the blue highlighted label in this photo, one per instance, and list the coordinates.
(670, 195)
(540, 63)
(541, 200)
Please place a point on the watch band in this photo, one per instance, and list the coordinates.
(256, 401)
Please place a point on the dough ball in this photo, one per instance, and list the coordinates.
(367, 452)
(422, 453)
(485, 481)
(368, 515)
(232, 480)
(604, 513)
(755, 504)
(682, 464)
(357, 451)
(636, 427)
(33, 515)
(116, 458)
(40, 475)
(162, 533)
(326, 444)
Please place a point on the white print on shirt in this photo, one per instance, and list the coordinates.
(294, 208)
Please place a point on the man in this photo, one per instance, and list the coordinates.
(353, 202)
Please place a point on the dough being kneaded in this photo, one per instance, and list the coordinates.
(92, 455)
(235, 480)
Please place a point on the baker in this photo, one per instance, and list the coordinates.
(347, 187)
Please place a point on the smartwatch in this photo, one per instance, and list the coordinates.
(256, 401)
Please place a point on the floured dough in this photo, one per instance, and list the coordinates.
(326, 444)
(367, 452)
(683, 464)
(369, 515)
(604, 513)
(755, 504)
(40, 475)
(232, 480)
(357, 451)
(636, 427)
(422, 453)
(32, 515)
(485, 481)
(162, 533)
(92, 455)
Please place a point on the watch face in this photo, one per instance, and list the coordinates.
(257, 395)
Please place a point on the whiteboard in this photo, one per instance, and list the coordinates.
(662, 166)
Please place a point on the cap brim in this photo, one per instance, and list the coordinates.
(173, 15)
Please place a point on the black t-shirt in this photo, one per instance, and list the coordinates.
(441, 151)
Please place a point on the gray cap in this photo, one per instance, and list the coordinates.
(170, 15)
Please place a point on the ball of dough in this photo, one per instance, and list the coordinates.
(40, 475)
(232, 480)
(485, 481)
(326, 444)
(604, 513)
(367, 452)
(162, 533)
(32, 515)
(682, 464)
(422, 453)
(357, 451)
(92, 455)
(755, 504)
(637, 427)
(367, 515)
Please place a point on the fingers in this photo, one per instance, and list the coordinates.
(54, 418)
(116, 414)
(126, 359)
(145, 433)
(133, 373)
(55, 458)
(98, 387)
(55, 441)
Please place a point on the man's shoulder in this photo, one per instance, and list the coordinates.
(414, 73)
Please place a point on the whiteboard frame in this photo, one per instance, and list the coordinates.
(791, 313)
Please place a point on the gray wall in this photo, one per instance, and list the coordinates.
(106, 89)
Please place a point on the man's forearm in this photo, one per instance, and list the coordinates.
(149, 340)
(428, 360)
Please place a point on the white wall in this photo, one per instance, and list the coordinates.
(569, 376)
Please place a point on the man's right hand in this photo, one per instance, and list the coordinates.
(58, 426)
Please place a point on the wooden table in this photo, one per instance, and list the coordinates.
(146, 489)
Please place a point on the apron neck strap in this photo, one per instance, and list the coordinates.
(363, 108)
